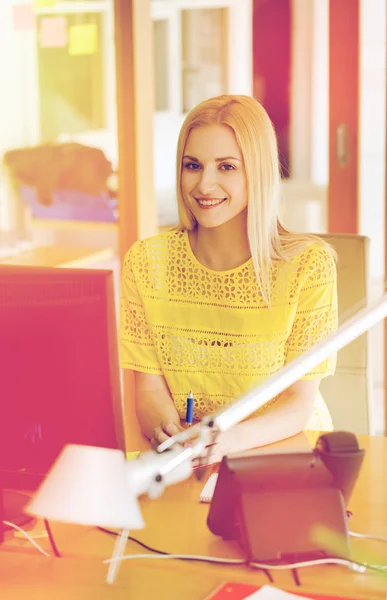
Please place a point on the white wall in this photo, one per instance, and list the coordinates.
(300, 88)
(19, 125)
(18, 72)
(309, 141)
(240, 32)
(319, 161)
(372, 129)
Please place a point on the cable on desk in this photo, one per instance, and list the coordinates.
(356, 566)
(132, 539)
(360, 567)
(182, 556)
(195, 557)
(27, 536)
(367, 536)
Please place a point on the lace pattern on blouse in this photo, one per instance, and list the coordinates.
(190, 323)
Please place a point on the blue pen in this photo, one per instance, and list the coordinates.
(189, 412)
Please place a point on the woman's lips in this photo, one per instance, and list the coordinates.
(207, 203)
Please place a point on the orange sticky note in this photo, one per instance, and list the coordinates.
(83, 39)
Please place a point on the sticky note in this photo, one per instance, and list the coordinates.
(23, 16)
(132, 455)
(83, 39)
(53, 32)
(44, 3)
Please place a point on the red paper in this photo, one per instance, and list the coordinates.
(232, 591)
(239, 591)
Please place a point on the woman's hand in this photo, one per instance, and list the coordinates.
(165, 430)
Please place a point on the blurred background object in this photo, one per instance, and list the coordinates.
(63, 181)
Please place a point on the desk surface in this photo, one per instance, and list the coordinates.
(58, 256)
(176, 523)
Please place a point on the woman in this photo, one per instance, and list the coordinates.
(230, 296)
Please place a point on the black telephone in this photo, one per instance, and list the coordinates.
(270, 503)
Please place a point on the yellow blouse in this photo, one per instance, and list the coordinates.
(211, 331)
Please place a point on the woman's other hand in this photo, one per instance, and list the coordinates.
(165, 430)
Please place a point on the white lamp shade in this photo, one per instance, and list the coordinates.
(88, 485)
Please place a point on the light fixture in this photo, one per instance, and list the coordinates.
(87, 485)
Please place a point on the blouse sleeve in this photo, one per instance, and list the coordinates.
(136, 346)
(316, 315)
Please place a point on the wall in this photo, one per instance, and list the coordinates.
(18, 72)
(300, 89)
(319, 94)
(18, 98)
(372, 129)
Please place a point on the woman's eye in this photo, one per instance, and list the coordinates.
(227, 167)
(191, 166)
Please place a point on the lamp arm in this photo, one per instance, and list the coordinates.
(152, 471)
(258, 396)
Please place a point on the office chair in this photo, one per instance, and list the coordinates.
(347, 393)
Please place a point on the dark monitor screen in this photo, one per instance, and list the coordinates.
(59, 379)
(2, 515)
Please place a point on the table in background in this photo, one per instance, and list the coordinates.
(58, 256)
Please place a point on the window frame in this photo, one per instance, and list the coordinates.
(171, 10)
(105, 9)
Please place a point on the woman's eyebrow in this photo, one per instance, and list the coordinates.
(191, 158)
(227, 158)
(216, 159)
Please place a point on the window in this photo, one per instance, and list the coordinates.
(204, 54)
(160, 45)
(70, 83)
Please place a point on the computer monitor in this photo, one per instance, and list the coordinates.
(2, 516)
(59, 373)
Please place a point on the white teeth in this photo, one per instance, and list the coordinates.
(211, 202)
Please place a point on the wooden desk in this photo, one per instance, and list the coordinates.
(176, 523)
(54, 256)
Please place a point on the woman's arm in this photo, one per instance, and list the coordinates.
(156, 412)
(288, 416)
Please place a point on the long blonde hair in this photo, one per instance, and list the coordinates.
(268, 239)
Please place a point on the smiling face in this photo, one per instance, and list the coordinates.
(213, 179)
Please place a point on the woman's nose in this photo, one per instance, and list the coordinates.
(207, 182)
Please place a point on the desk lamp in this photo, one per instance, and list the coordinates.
(89, 485)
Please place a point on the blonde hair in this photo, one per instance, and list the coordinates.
(268, 239)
